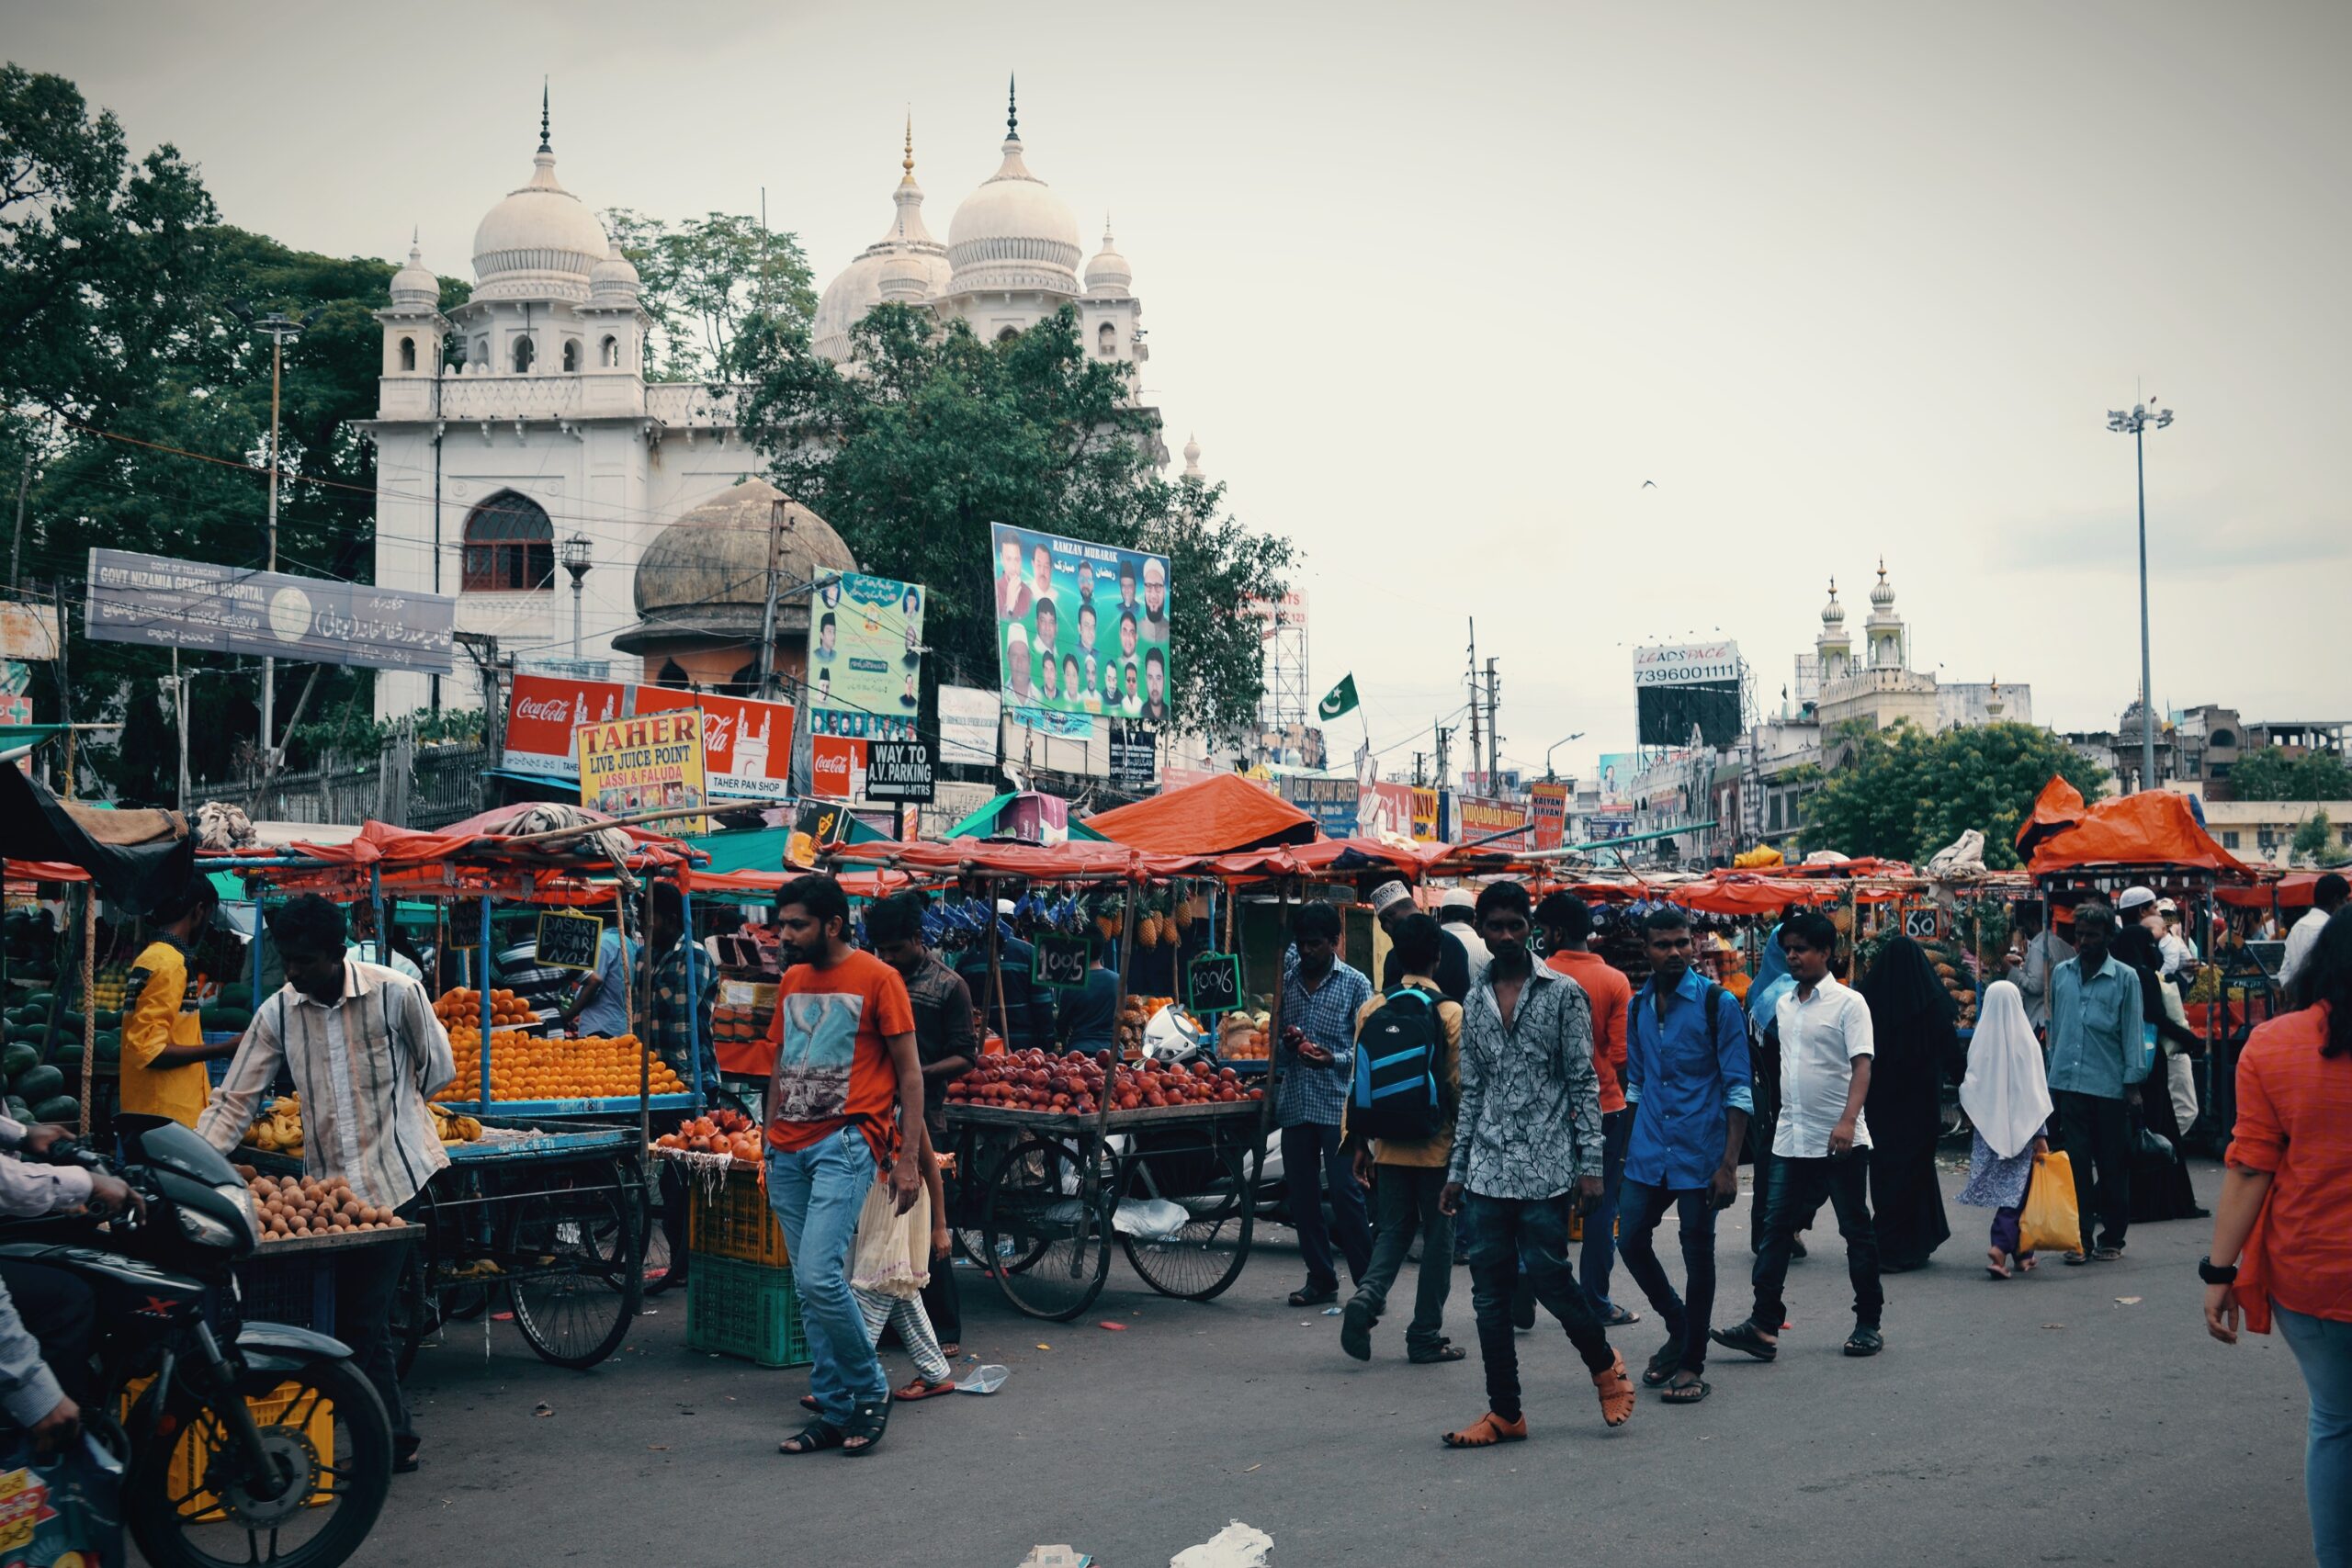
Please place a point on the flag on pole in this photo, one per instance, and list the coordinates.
(1338, 699)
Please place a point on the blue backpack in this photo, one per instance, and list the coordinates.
(1397, 1092)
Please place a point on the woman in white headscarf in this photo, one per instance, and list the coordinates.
(2007, 1096)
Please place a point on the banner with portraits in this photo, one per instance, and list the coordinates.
(1082, 629)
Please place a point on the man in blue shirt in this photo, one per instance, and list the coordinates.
(2095, 1015)
(1687, 1083)
(1026, 1012)
(1320, 999)
(601, 1004)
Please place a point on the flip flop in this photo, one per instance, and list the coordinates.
(1664, 1365)
(1688, 1393)
(1485, 1432)
(1619, 1317)
(1448, 1352)
(1998, 1264)
(1745, 1339)
(922, 1388)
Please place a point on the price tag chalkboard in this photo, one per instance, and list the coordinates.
(1923, 925)
(1060, 962)
(1213, 984)
(569, 942)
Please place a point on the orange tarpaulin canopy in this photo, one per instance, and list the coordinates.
(2152, 828)
(2060, 805)
(2293, 891)
(1215, 817)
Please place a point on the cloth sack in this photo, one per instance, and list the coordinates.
(2049, 1223)
(892, 1254)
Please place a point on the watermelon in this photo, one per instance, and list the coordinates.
(40, 1002)
(236, 996)
(71, 1023)
(37, 1083)
(223, 1019)
(58, 1108)
(108, 1019)
(30, 1034)
(109, 1048)
(18, 1111)
(18, 1058)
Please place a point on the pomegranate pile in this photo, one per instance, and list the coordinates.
(1075, 1085)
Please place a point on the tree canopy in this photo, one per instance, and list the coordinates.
(1904, 794)
(701, 280)
(935, 435)
(2272, 774)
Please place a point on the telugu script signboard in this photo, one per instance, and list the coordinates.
(226, 609)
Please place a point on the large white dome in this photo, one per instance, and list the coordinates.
(858, 290)
(539, 242)
(1014, 233)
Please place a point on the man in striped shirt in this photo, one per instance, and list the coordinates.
(365, 1053)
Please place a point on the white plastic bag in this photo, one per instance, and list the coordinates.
(1235, 1546)
(982, 1380)
(1150, 1219)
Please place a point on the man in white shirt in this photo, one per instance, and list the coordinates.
(1817, 1147)
(2032, 967)
(2328, 894)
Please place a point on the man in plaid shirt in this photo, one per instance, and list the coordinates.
(1320, 996)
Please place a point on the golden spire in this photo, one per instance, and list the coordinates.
(909, 164)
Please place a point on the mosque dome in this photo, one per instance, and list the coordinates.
(705, 574)
(614, 280)
(413, 286)
(541, 242)
(1014, 233)
(1883, 594)
(1833, 614)
(1109, 273)
(906, 248)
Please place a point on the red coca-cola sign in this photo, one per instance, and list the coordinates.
(541, 713)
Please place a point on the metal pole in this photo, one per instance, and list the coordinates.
(694, 980)
(89, 983)
(767, 615)
(269, 666)
(485, 1003)
(578, 580)
(179, 718)
(2147, 689)
(17, 551)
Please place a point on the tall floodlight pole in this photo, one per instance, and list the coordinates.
(2135, 425)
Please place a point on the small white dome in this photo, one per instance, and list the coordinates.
(1109, 273)
(1883, 595)
(906, 266)
(541, 242)
(1014, 233)
(1191, 456)
(413, 286)
(909, 278)
(614, 280)
(1833, 614)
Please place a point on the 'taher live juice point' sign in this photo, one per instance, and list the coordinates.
(653, 764)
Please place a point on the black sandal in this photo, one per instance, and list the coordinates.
(1864, 1342)
(1745, 1339)
(815, 1438)
(867, 1421)
(1688, 1394)
(1665, 1364)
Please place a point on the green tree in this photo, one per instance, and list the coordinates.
(2273, 774)
(2314, 838)
(937, 435)
(1904, 794)
(702, 280)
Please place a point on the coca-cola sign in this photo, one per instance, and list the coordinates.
(747, 745)
(541, 713)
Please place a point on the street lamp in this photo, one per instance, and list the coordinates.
(2135, 425)
(1556, 745)
(281, 327)
(574, 553)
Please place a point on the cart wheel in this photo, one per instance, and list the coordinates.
(967, 1200)
(1206, 1253)
(576, 1272)
(1053, 1249)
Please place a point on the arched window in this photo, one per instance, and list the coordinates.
(523, 353)
(672, 675)
(1106, 341)
(1008, 334)
(481, 353)
(744, 682)
(571, 354)
(408, 353)
(510, 547)
(610, 354)
(2225, 738)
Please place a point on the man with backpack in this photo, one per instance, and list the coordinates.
(1400, 1120)
(1688, 1088)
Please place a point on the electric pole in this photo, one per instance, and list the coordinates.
(281, 327)
(1494, 731)
(1476, 754)
(767, 615)
(1442, 735)
(1418, 777)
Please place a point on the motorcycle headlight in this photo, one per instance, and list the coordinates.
(204, 1230)
(211, 1232)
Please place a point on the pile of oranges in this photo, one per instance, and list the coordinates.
(464, 1006)
(722, 1132)
(524, 1067)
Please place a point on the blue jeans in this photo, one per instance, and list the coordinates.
(2323, 1348)
(1599, 1256)
(816, 1193)
(1312, 1159)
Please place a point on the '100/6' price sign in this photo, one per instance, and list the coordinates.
(1213, 984)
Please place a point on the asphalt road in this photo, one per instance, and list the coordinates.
(2044, 1420)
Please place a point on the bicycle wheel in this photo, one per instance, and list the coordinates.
(1053, 1246)
(575, 1273)
(1200, 1259)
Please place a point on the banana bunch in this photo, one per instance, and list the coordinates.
(278, 1129)
(454, 1129)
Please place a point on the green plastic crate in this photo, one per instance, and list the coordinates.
(746, 1310)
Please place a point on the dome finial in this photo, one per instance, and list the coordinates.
(908, 164)
(1012, 107)
(545, 146)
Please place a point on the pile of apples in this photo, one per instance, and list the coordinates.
(723, 1131)
(1075, 1085)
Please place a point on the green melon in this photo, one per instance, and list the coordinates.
(226, 1018)
(37, 1083)
(18, 1058)
(58, 1108)
(109, 1048)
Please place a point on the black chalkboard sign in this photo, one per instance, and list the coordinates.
(569, 942)
(1213, 984)
(1060, 962)
(1923, 925)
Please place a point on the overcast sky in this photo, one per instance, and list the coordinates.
(1440, 286)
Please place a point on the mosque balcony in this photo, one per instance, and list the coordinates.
(692, 405)
(509, 397)
(526, 618)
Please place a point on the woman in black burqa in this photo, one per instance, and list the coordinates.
(1917, 1048)
(2160, 1184)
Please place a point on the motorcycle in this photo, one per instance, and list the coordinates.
(245, 1442)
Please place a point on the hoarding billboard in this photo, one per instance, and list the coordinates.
(1548, 799)
(231, 609)
(1081, 627)
(866, 647)
(1682, 687)
(1492, 824)
(653, 763)
(746, 744)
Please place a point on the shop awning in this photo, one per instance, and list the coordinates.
(1215, 817)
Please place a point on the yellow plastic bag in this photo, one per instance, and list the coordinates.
(2049, 1223)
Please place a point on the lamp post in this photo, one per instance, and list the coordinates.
(2135, 425)
(1556, 745)
(281, 327)
(576, 554)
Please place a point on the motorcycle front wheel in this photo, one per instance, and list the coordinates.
(193, 1499)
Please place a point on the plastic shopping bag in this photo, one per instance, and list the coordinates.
(2049, 1222)
(60, 1507)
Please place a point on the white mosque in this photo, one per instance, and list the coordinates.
(546, 446)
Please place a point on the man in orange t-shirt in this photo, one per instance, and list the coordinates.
(1567, 921)
(842, 1099)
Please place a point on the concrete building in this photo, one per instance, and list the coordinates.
(2263, 832)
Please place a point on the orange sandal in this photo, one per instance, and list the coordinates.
(1487, 1431)
(1616, 1392)
(921, 1388)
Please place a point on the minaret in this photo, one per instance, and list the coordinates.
(1836, 653)
(1885, 628)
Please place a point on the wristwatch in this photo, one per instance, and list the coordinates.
(2214, 1273)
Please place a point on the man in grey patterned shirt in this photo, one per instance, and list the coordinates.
(1526, 1150)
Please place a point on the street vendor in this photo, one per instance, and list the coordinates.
(600, 1005)
(366, 1054)
(164, 1050)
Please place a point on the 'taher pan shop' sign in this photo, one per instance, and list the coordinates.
(228, 609)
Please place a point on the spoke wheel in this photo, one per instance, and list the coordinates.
(192, 1502)
(575, 1273)
(1206, 1253)
(1052, 1248)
